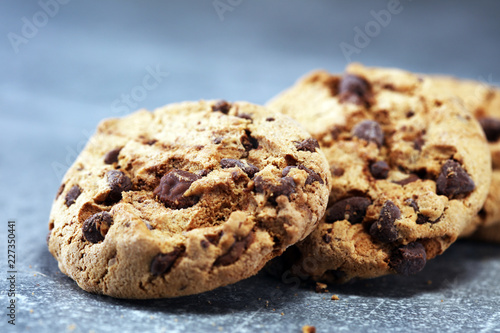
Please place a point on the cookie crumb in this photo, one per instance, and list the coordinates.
(335, 298)
(321, 287)
(308, 329)
(71, 327)
(31, 310)
(282, 313)
(429, 282)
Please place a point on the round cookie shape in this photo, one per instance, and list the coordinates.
(409, 172)
(484, 101)
(187, 198)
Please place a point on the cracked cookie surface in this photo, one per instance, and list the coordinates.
(187, 198)
(409, 172)
(484, 101)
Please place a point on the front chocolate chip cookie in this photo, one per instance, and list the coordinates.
(410, 171)
(186, 198)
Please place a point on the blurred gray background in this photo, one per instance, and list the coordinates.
(65, 65)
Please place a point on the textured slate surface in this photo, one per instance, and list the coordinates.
(75, 69)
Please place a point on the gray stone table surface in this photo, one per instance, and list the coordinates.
(65, 65)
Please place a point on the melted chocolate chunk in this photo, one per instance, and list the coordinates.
(162, 263)
(172, 187)
(370, 131)
(307, 145)
(453, 181)
(351, 209)
(248, 141)
(247, 168)
(96, 227)
(72, 195)
(118, 182)
(491, 128)
(112, 156)
(384, 229)
(379, 170)
(312, 176)
(235, 251)
(410, 179)
(408, 259)
(286, 187)
(355, 89)
(270, 119)
(222, 106)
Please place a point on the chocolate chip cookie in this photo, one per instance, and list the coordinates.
(187, 198)
(484, 101)
(409, 172)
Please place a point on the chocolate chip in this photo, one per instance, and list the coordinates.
(235, 251)
(419, 142)
(410, 179)
(215, 238)
(60, 190)
(384, 229)
(286, 187)
(222, 106)
(307, 145)
(413, 204)
(290, 160)
(248, 141)
(379, 170)
(408, 259)
(163, 262)
(491, 128)
(453, 181)
(410, 114)
(337, 172)
(422, 219)
(244, 116)
(72, 195)
(112, 156)
(312, 176)
(247, 168)
(351, 209)
(218, 140)
(370, 131)
(172, 187)
(355, 89)
(96, 227)
(270, 119)
(327, 238)
(151, 142)
(118, 182)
